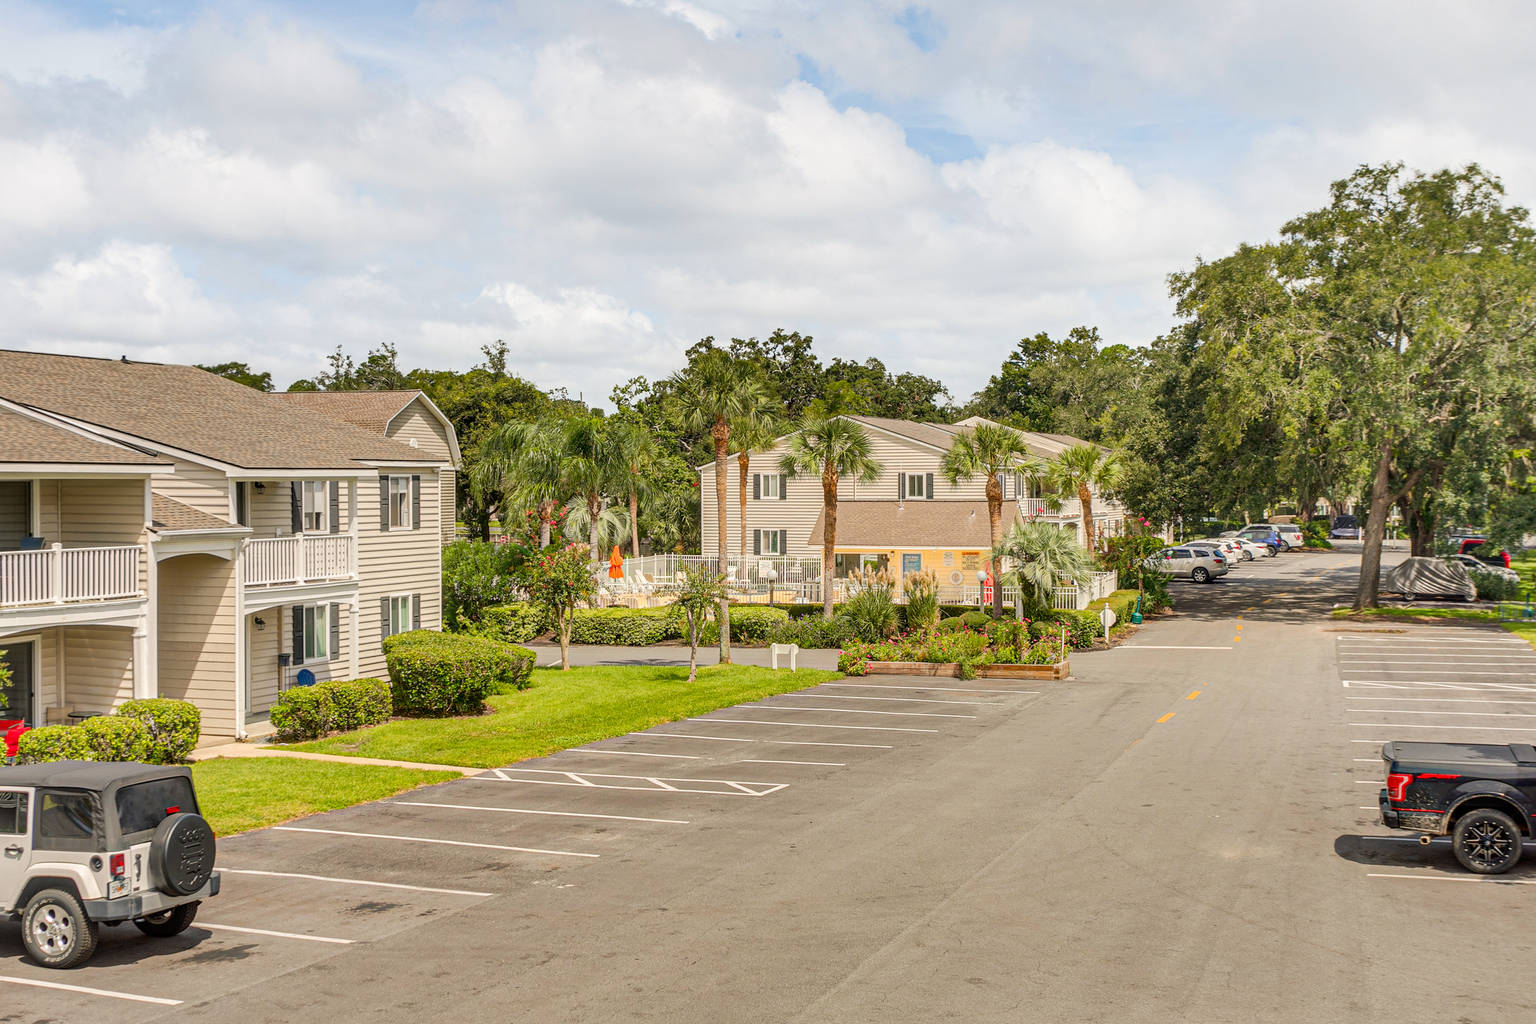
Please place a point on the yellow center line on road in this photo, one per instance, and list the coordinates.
(1193, 694)
(1165, 718)
(1267, 600)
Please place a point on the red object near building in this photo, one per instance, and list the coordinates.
(986, 590)
(13, 729)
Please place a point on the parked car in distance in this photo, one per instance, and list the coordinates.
(89, 843)
(1202, 565)
(1479, 549)
(1230, 549)
(1472, 565)
(1418, 577)
(1480, 794)
(1346, 528)
(1264, 533)
(1258, 549)
(1290, 536)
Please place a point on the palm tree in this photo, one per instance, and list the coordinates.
(752, 434)
(831, 448)
(594, 467)
(609, 528)
(637, 450)
(1084, 469)
(717, 392)
(990, 450)
(526, 460)
(1041, 554)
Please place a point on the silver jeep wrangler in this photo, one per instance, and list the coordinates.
(87, 843)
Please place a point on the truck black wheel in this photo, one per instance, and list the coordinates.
(168, 922)
(1486, 841)
(55, 930)
(181, 854)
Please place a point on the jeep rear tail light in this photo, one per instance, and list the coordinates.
(1397, 786)
(118, 865)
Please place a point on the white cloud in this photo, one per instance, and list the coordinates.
(41, 187)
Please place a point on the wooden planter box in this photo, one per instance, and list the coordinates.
(950, 670)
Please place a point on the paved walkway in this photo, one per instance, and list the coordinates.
(253, 750)
(674, 654)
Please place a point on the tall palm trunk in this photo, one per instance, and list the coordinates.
(828, 534)
(994, 529)
(742, 459)
(546, 510)
(1085, 496)
(722, 436)
(634, 523)
(594, 510)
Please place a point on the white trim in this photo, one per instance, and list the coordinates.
(242, 649)
(385, 464)
(392, 598)
(218, 543)
(66, 470)
(36, 640)
(83, 613)
(453, 435)
(343, 591)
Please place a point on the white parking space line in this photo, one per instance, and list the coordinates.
(553, 814)
(1512, 657)
(1459, 714)
(1440, 700)
(657, 784)
(353, 881)
(1377, 742)
(1169, 647)
(1441, 684)
(629, 753)
(811, 725)
(1403, 725)
(858, 711)
(1368, 782)
(1368, 760)
(276, 935)
(763, 760)
(782, 743)
(1457, 671)
(910, 700)
(1454, 878)
(432, 842)
(936, 689)
(105, 993)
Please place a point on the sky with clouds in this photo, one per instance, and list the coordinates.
(602, 182)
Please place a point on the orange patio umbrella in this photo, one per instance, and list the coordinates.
(615, 564)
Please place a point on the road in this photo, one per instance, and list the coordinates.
(1178, 833)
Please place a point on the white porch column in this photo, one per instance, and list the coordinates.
(144, 683)
(242, 650)
(354, 620)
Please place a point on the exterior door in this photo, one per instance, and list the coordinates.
(20, 658)
(15, 842)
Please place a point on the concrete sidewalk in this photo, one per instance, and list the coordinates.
(209, 753)
(674, 654)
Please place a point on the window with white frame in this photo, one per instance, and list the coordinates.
(772, 541)
(316, 508)
(917, 486)
(400, 503)
(317, 632)
(399, 620)
(771, 484)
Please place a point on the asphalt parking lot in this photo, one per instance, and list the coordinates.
(330, 886)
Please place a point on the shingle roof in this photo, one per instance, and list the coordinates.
(891, 526)
(28, 440)
(171, 516)
(942, 435)
(193, 410)
(370, 410)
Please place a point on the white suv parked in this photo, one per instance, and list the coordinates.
(87, 843)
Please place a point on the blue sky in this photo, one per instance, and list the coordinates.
(602, 182)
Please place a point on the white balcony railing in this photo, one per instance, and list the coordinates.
(306, 558)
(60, 575)
(1034, 508)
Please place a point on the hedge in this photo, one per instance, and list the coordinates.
(515, 623)
(749, 624)
(625, 627)
(174, 726)
(815, 632)
(440, 674)
(103, 738)
(342, 705)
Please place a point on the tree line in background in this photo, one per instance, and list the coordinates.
(1378, 353)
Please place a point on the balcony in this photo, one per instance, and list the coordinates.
(299, 560)
(58, 575)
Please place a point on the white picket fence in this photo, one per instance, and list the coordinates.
(60, 575)
(302, 558)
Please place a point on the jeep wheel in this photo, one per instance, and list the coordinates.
(1486, 841)
(55, 930)
(168, 922)
(1201, 574)
(181, 854)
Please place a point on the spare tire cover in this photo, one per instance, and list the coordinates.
(181, 854)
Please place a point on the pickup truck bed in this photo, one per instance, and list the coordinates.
(1481, 794)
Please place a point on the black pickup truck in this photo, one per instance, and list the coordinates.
(1482, 795)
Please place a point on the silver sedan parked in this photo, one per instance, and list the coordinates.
(1199, 564)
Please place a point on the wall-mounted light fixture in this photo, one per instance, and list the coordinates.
(260, 487)
(259, 622)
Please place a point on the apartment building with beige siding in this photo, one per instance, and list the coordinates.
(908, 518)
(166, 532)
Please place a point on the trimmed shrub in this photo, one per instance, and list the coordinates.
(625, 627)
(47, 743)
(341, 705)
(514, 623)
(975, 620)
(750, 624)
(109, 738)
(174, 726)
(440, 674)
(1491, 587)
(1082, 628)
(817, 633)
(953, 624)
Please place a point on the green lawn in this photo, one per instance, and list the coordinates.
(567, 709)
(237, 794)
